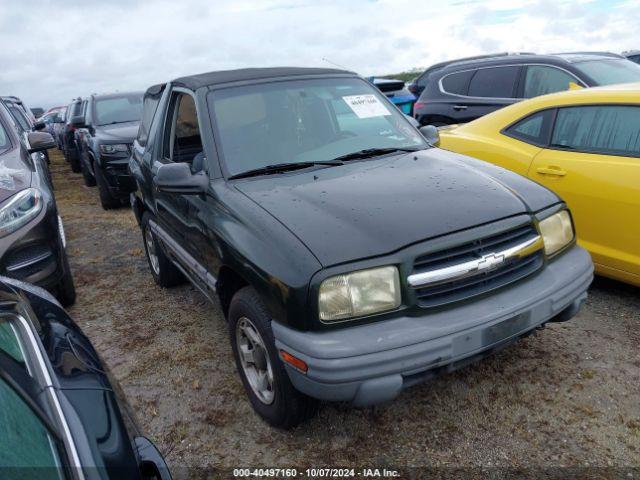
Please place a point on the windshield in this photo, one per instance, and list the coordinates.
(305, 121)
(121, 109)
(609, 72)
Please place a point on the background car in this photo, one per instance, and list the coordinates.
(69, 145)
(633, 55)
(63, 416)
(37, 112)
(396, 92)
(584, 145)
(104, 135)
(465, 90)
(32, 241)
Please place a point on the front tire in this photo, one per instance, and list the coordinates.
(263, 375)
(107, 200)
(164, 272)
(89, 180)
(66, 290)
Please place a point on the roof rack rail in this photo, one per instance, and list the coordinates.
(604, 54)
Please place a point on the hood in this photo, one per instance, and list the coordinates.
(118, 132)
(15, 173)
(374, 207)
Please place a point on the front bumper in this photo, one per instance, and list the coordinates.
(372, 363)
(120, 181)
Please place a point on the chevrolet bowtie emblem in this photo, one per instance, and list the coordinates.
(490, 261)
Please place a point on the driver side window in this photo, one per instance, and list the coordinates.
(184, 142)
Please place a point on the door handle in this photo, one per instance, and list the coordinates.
(557, 171)
(459, 107)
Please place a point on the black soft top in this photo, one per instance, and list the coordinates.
(193, 82)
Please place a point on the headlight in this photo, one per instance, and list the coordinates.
(557, 232)
(115, 148)
(19, 209)
(359, 293)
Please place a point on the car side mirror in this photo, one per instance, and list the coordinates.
(178, 178)
(412, 121)
(430, 133)
(78, 121)
(40, 141)
(39, 126)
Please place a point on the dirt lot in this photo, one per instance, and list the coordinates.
(566, 396)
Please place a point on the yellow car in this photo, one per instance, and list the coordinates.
(585, 146)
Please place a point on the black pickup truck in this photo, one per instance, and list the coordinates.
(351, 258)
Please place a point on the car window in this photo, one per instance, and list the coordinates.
(533, 129)
(185, 143)
(121, 109)
(607, 129)
(305, 121)
(5, 143)
(10, 341)
(494, 82)
(150, 105)
(610, 72)
(26, 446)
(541, 79)
(20, 118)
(457, 83)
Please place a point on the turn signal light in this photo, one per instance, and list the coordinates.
(294, 361)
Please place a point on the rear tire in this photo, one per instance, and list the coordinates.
(107, 200)
(164, 272)
(75, 164)
(270, 391)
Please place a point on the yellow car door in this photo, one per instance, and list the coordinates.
(593, 163)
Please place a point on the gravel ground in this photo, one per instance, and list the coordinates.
(567, 396)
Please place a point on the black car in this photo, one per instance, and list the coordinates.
(32, 242)
(62, 415)
(351, 258)
(461, 91)
(633, 55)
(69, 145)
(37, 112)
(105, 133)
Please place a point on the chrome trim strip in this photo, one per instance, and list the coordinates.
(54, 397)
(471, 268)
(190, 262)
(29, 262)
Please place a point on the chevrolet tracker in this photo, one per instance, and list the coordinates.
(350, 257)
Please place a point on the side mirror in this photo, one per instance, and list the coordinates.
(178, 178)
(431, 134)
(39, 126)
(78, 121)
(412, 121)
(39, 141)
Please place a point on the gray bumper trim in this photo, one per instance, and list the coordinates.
(371, 363)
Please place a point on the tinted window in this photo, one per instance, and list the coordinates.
(540, 80)
(121, 109)
(25, 443)
(305, 120)
(457, 83)
(613, 129)
(495, 82)
(76, 109)
(609, 72)
(635, 58)
(533, 129)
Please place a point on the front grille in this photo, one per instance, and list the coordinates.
(457, 289)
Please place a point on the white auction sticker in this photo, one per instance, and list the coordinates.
(366, 106)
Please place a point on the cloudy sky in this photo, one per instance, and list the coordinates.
(53, 50)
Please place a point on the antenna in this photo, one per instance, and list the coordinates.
(333, 63)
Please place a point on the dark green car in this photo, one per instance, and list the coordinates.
(351, 258)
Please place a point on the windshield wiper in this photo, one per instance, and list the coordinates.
(373, 152)
(282, 167)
